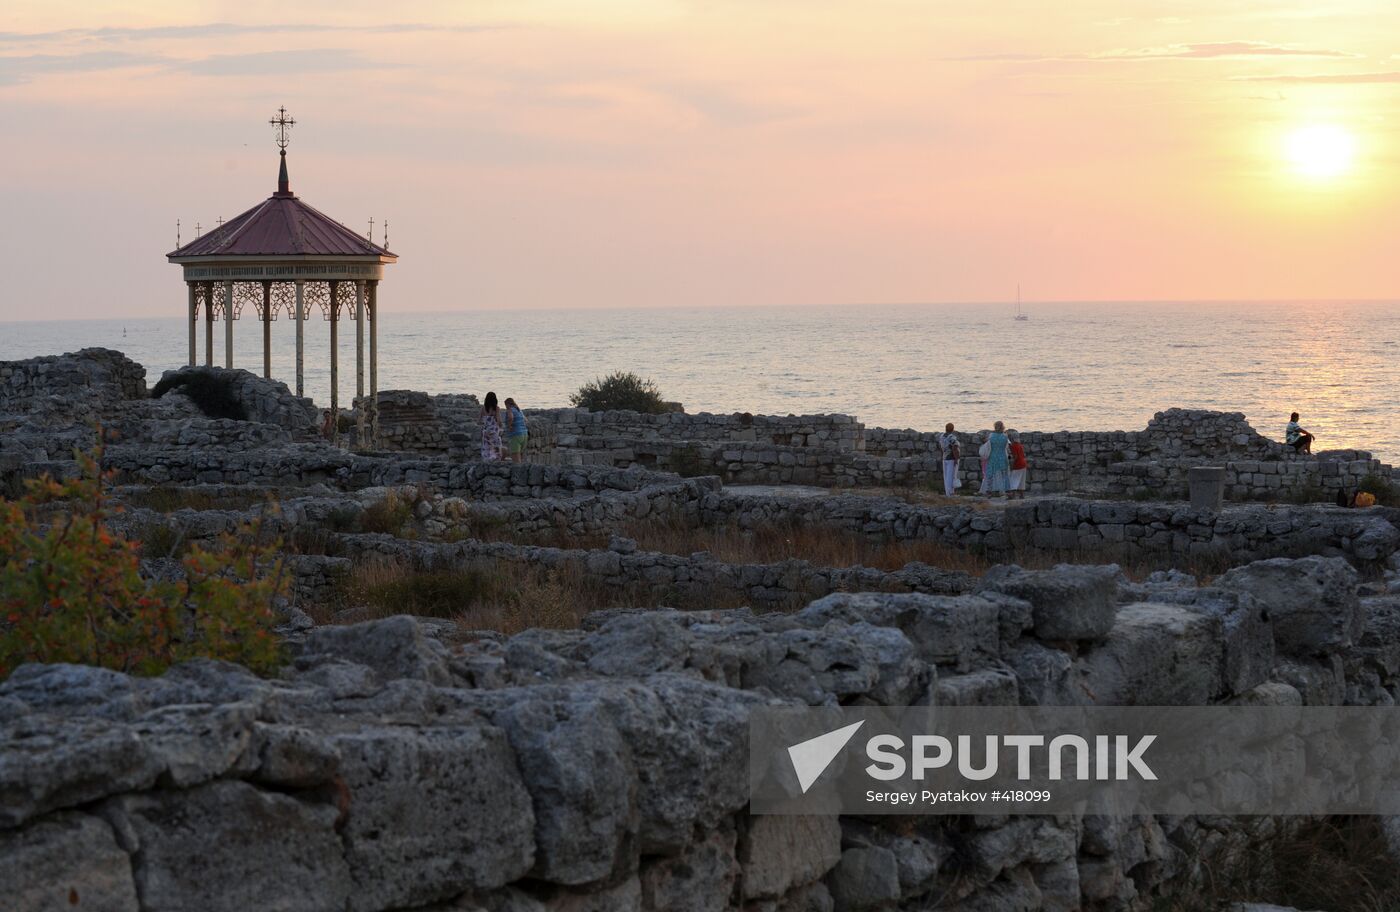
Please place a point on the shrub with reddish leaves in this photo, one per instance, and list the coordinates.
(71, 591)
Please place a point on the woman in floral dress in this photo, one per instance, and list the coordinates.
(491, 445)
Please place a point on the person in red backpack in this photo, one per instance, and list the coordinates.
(1017, 454)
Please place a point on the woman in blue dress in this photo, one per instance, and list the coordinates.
(998, 465)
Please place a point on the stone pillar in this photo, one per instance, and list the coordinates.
(267, 330)
(208, 324)
(228, 324)
(360, 363)
(335, 362)
(301, 321)
(372, 306)
(194, 323)
(1207, 484)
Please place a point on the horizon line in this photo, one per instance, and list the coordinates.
(593, 308)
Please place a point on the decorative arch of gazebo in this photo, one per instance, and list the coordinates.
(285, 257)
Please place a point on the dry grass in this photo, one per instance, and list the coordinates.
(922, 496)
(389, 514)
(1341, 864)
(825, 546)
(495, 595)
(169, 499)
(487, 528)
(821, 545)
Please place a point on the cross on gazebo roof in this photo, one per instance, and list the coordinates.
(283, 225)
(282, 123)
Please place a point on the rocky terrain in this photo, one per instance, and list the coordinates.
(415, 763)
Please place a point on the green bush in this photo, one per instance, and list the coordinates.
(1307, 494)
(686, 461)
(620, 391)
(212, 393)
(161, 540)
(1385, 492)
(71, 591)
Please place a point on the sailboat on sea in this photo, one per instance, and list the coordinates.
(1021, 316)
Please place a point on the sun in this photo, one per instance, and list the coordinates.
(1321, 150)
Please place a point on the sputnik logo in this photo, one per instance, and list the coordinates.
(810, 758)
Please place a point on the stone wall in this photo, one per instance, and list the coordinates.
(667, 579)
(1171, 533)
(1174, 433)
(1060, 463)
(408, 421)
(834, 432)
(1246, 479)
(607, 768)
(265, 401)
(449, 424)
(1162, 478)
(93, 376)
(246, 454)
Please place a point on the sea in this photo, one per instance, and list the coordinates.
(1069, 366)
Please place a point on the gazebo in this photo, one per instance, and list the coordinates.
(283, 256)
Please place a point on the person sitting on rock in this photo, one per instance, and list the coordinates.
(1298, 437)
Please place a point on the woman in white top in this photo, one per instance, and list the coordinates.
(952, 453)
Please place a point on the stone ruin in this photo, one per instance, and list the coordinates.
(606, 768)
(837, 451)
(262, 401)
(411, 764)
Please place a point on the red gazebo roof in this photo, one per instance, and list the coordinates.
(281, 225)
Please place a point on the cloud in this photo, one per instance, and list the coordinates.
(266, 63)
(1329, 78)
(1207, 50)
(722, 105)
(1014, 58)
(1216, 49)
(223, 30)
(15, 70)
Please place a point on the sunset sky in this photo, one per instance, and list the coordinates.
(534, 154)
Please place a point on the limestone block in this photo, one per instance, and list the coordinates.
(1312, 601)
(1069, 602)
(866, 877)
(578, 771)
(53, 762)
(433, 812)
(700, 879)
(229, 846)
(1156, 655)
(65, 861)
(989, 687)
(780, 853)
(944, 630)
(394, 648)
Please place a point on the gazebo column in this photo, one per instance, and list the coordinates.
(301, 322)
(267, 330)
(335, 362)
(194, 324)
(208, 324)
(372, 305)
(228, 324)
(360, 363)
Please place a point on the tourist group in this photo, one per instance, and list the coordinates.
(1002, 457)
(503, 430)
